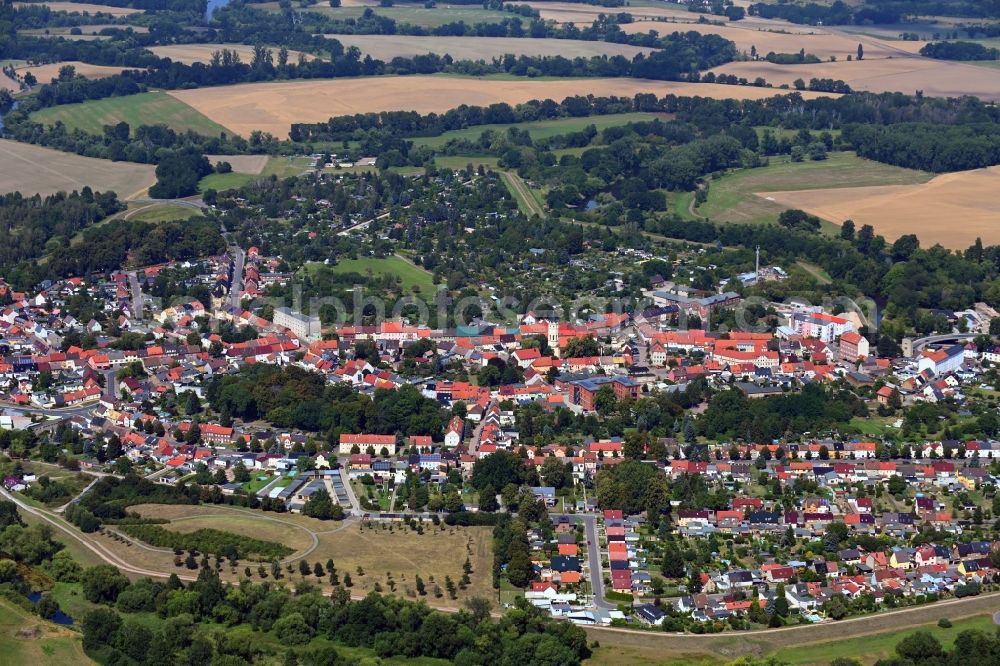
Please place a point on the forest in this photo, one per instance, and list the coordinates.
(293, 397)
(731, 415)
(31, 225)
(110, 246)
(959, 51)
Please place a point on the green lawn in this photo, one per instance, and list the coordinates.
(410, 274)
(462, 161)
(164, 213)
(732, 197)
(876, 646)
(52, 645)
(282, 167)
(541, 129)
(142, 109)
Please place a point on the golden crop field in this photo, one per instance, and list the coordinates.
(952, 209)
(83, 8)
(386, 47)
(33, 169)
(45, 73)
(192, 53)
(273, 107)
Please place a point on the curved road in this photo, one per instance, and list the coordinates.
(920, 343)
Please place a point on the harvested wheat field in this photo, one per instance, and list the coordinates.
(906, 74)
(790, 39)
(581, 14)
(252, 164)
(273, 107)
(45, 73)
(192, 53)
(386, 47)
(952, 209)
(82, 8)
(32, 169)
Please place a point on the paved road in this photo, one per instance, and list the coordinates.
(21, 410)
(593, 556)
(133, 280)
(920, 343)
(237, 283)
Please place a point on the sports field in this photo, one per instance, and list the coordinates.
(136, 110)
(386, 47)
(32, 169)
(733, 198)
(273, 107)
(409, 274)
(541, 129)
(952, 209)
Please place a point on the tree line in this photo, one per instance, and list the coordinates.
(959, 51)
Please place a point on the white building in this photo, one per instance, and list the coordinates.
(304, 327)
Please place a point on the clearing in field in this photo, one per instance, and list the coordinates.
(192, 53)
(160, 213)
(82, 8)
(33, 169)
(409, 275)
(247, 168)
(403, 554)
(399, 553)
(387, 47)
(27, 639)
(732, 197)
(45, 73)
(273, 107)
(136, 110)
(541, 129)
(952, 209)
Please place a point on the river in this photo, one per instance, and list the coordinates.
(212, 6)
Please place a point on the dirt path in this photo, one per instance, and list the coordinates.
(521, 192)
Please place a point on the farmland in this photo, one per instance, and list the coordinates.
(32, 169)
(192, 53)
(136, 110)
(386, 47)
(894, 210)
(732, 197)
(273, 107)
(905, 74)
(540, 129)
(83, 8)
(410, 276)
(45, 73)
(413, 14)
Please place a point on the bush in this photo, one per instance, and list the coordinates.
(944, 623)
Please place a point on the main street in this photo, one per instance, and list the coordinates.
(593, 556)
